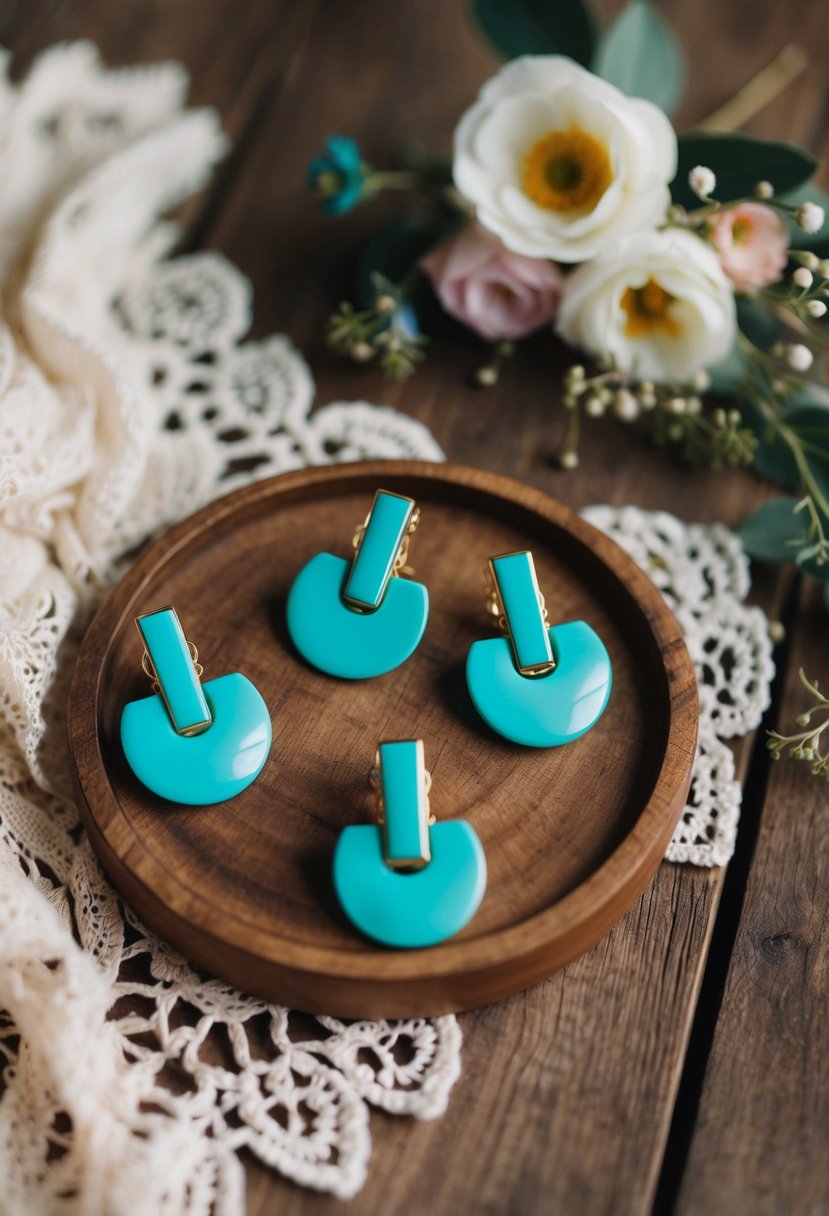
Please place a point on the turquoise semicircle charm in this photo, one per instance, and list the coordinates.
(343, 642)
(548, 710)
(417, 909)
(209, 767)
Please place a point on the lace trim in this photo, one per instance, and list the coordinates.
(703, 572)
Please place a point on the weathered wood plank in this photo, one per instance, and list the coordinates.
(760, 1143)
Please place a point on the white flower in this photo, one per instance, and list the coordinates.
(799, 357)
(809, 217)
(625, 406)
(803, 277)
(659, 308)
(816, 308)
(559, 163)
(764, 190)
(702, 181)
(647, 396)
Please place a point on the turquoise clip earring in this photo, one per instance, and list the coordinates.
(188, 742)
(408, 882)
(357, 620)
(538, 686)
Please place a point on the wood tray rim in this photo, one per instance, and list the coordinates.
(627, 868)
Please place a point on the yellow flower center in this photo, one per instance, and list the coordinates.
(566, 171)
(647, 311)
(740, 231)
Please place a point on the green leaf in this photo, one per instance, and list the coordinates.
(810, 394)
(768, 533)
(728, 375)
(641, 56)
(760, 325)
(538, 27)
(807, 415)
(393, 251)
(818, 241)
(739, 162)
(773, 457)
(811, 425)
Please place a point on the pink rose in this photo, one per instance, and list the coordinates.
(497, 293)
(752, 241)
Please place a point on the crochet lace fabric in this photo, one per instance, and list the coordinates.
(703, 572)
(130, 1081)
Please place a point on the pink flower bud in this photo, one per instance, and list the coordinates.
(752, 242)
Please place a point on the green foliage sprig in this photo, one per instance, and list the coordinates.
(808, 744)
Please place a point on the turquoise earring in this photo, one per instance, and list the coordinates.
(410, 881)
(357, 620)
(188, 742)
(538, 686)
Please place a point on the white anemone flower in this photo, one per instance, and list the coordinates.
(660, 308)
(560, 164)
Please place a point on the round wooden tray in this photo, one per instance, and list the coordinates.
(572, 835)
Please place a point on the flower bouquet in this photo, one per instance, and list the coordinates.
(686, 267)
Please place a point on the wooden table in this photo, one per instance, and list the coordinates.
(681, 1065)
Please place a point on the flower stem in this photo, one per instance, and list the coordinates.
(758, 92)
(393, 179)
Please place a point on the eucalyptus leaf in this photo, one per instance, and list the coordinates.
(641, 56)
(772, 532)
(739, 162)
(538, 27)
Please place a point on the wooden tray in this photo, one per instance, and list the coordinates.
(572, 835)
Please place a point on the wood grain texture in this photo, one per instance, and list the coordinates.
(572, 835)
(570, 1086)
(761, 1145)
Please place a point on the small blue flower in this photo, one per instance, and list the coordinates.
(339, 176)
(407, 321)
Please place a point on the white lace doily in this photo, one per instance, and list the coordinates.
(130, 1081)
(703, 572)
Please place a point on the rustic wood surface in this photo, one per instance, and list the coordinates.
(681, 1062)
(767, 1068)
(572, 835)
